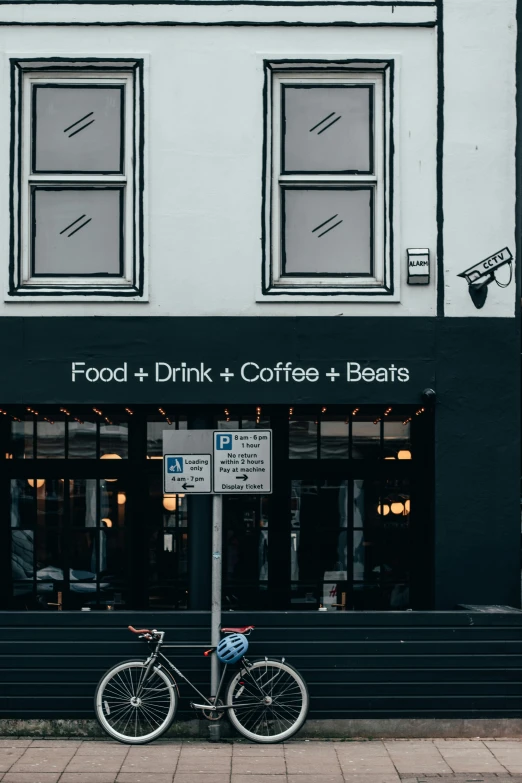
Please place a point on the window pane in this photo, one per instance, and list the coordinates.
(50, 503)
(23, 509)
(327, 231)
(366, 437)
(245, 551)
(382, 553)
(22, 439)
(50, 440)
(78, 129)
(113, 500)
(83, 502)
(155, 430)
(49, 557)
(303, 438)
(22, 543)
(77, 231)
(327, 129)
(114, 440)
(82, 439)
(397, 443)
(334, 437)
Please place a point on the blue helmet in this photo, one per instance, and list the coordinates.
(231, 648)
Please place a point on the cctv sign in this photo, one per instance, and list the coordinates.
(243, 462)
(482, 272)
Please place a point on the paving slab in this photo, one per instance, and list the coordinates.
(14, 742)
(31, 777)
(265, 765)
(195, 777)
(314, 778)
(87, 777)
(39, 760)
(8, 757)
(259, 779)
(143, 777)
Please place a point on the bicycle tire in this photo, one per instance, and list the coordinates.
(251, 713)
(116, 689)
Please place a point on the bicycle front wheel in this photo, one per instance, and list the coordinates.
(269, 701)
(134, 711)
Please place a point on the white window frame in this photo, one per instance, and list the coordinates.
(382, 284)
(26, 74)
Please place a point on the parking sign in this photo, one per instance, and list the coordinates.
(243, 462)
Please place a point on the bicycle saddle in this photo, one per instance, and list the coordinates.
(244, 629)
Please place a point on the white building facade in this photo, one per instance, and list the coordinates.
(294, 215)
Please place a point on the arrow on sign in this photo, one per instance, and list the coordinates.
(187, 486)
(243, 478)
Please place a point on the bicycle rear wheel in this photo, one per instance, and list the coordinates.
(131, 710)
(269, 701)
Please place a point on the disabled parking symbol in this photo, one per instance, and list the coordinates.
(174, 464)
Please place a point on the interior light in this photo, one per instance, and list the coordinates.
(383, 509)
(404, 454)
(389, 458)
(169, 503)
(110, 456)
(122, 498)
(397, 507)
(107, 522)
(39, 482)
(407, 506)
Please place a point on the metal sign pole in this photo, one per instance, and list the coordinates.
(215, 621)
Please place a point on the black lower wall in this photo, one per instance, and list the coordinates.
(357, 665)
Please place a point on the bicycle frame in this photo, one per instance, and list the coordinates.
(211, 704)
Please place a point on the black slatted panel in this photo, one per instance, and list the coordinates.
(357, 665)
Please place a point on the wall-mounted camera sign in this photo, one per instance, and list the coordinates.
(418, 266)
(482, 274)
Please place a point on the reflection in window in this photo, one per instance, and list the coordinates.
(318, 544)
(366, 436)
(303, 437)
(76, 556)
(156, 426)
(81, 439)
(245, 551)
(22, 439)
(334, 437)
(114, 440)
(167, 548)
(350, 544)
(381, 545)
(50, 439)
(397, 443)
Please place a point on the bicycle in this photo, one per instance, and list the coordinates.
(266, 700)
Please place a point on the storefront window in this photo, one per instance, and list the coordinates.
(90, 527)
(245, 551)
(167, 531)
(68, 548)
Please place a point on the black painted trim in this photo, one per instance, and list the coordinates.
(135, 66)
(34, 124)
(518, 165)
(288, 3)
(219, 24)
(267, 287)
(440, 158)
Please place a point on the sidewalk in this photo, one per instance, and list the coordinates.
(389, 761)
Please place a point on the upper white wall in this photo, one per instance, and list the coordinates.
(204, 126)
(479, 147)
